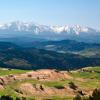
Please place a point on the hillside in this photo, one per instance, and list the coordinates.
(13, 56)
(63, 46)
(49, 84)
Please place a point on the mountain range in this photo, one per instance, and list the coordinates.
(34, 46)
(22, 31)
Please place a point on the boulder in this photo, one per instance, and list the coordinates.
(1, 87)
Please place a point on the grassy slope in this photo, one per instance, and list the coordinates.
(94, 68)
(11, 71)
(92, 80)
(88, 75)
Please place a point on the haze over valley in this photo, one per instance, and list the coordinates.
(49, 50)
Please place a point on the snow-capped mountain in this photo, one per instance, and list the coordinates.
(75, 32)
(36, 28)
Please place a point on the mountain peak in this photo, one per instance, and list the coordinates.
(36, 28)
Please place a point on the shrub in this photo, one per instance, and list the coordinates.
(72, 86)
(95, 95)
(6, 98)
(77, 97)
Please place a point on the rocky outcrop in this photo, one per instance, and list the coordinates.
(1, 87)
(39, 89)
(28, 89)
(46, 75)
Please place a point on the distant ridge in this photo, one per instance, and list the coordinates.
(32, 30)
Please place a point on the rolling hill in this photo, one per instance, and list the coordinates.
(49, 84)
(63, 46)
(14, 56)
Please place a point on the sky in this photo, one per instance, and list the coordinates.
(52, 12)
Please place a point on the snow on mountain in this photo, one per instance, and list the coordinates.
(32, 31)
(77, 29)
(59, 29)
(36, 28)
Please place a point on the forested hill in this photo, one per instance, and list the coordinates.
(13, 56)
